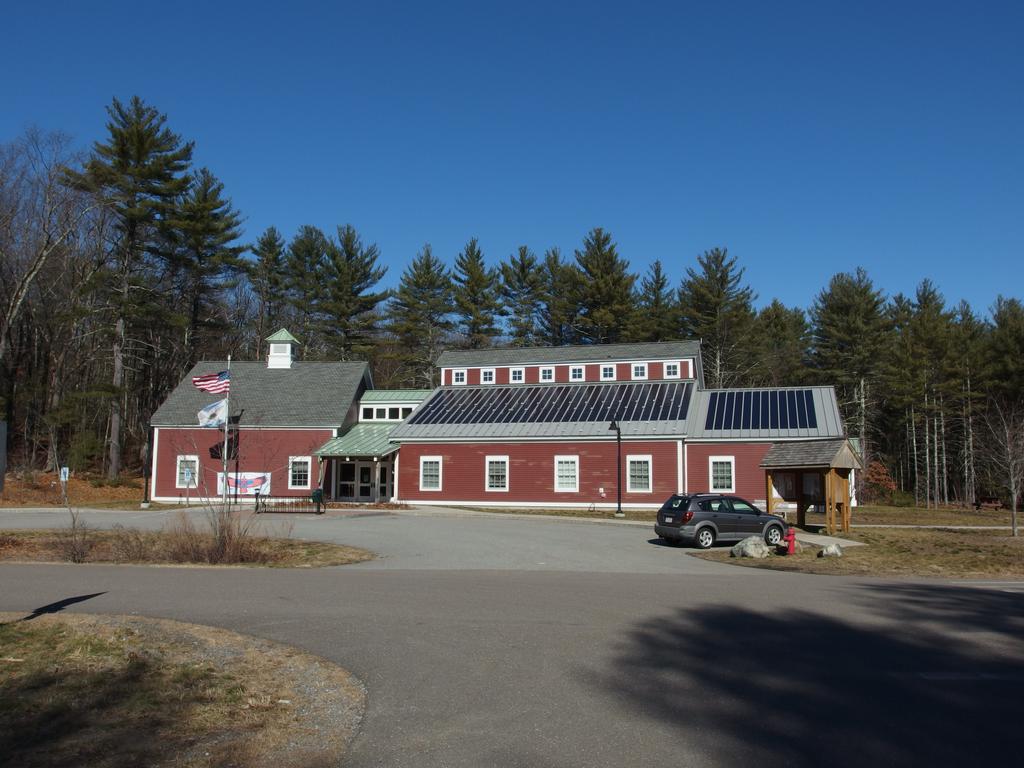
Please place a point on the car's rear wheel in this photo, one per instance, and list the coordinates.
(705, 538)
(773, 536)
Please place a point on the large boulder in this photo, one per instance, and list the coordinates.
(752, 546)
(831, 550)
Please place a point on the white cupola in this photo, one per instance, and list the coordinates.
(279, 355)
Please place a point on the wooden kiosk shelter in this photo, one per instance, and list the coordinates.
(812, 472)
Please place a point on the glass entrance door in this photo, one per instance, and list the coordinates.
(383, 490)
(365, 481)
(346, 480)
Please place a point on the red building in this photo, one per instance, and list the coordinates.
(539, 427)
(508, 427)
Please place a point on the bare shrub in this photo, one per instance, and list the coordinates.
(75, 542)
(130, 545)
(228, 539)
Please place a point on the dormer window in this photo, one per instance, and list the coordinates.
(547, 374)
(671, 370)
(517, 375)
(459, 376)
(607, 373)
(639, 371)
(576, 373)
(486, 375)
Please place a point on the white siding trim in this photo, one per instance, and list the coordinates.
(680, 485)
(156, 451)
(686, 466)
(532, 504)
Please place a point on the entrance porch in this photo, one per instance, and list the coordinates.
(359, 466)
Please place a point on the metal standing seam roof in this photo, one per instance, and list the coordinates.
(362, 440)
(583, 353)
(395, 395)
(818, 403)
(812, 453)
(656, 408)
(308, 394)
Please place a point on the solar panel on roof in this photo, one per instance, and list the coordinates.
(650, 401)
(761, 410)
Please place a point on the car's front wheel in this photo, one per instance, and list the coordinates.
(773, 536)
(705, 538)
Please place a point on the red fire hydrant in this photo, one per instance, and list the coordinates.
(790, 542)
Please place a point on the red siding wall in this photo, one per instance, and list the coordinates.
(749, 480)
(259, 450)
(531, 472)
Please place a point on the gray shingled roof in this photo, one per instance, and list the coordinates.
(585, 353)
(306, 395)
(829, 421)
(812, 453)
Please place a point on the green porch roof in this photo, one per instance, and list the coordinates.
(362, 440)
(395, 395)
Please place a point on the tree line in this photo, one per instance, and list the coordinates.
(124, 265)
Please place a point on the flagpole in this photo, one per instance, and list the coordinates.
(227, 420)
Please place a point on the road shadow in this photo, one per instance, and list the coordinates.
(60, 605)
(798, 688)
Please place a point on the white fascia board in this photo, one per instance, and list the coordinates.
(529, 504)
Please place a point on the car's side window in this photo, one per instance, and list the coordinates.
(711, 505)
(743, 508)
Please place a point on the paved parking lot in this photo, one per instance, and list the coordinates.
(494, 641)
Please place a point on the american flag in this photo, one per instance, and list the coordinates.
(217, 383)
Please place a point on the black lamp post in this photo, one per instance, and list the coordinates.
(618, 467)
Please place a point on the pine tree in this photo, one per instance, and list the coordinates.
(657, 315)
(849, 336)
(138, 171)
(606, 290)
(715, 307)
(421, 316)
(268, 281)
(306, 265)
(201, 227)
(782, 337)
(348, 306)
(476, 297)
(559, 300)
(522, 289)
(1006, 349)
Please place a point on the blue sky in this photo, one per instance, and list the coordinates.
(808, 138)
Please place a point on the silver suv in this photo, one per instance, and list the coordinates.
(702, 519)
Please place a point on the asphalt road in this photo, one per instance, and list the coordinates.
(488, 641)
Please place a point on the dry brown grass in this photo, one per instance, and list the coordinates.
(42, 489)
(877, 515)
(180, 543)
(909, 552)
(120, 691)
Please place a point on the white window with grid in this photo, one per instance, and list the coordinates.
(607, 373)
(567, 474)
(638, 474)
(722, 471)
(299, 472)
(517, 375)
(486, 375)
(430, 473)
(187, 472)
(639, 371)
(671, 370)
(547, 374)
(577, 373)
(496, 470)
(459, 376)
